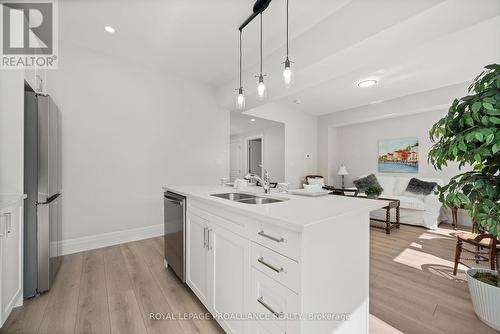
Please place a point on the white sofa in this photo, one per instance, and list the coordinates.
(426, 211)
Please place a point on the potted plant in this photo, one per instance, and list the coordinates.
(470, 135)
(374, 191)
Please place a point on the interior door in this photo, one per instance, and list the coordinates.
(230, 265)
(235, 161)
(255, 156)
(198, 258)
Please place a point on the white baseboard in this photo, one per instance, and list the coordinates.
(76, 245)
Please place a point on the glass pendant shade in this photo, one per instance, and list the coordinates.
(240, 100)
(261, 89)
(288, 74)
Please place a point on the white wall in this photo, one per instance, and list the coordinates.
(11, 131)
(388, 112)
(126, 132)
(351, 136)
(273, 150)
(357, 145)
(301, 140)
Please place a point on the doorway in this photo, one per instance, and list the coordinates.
(255, 156)
(236, 160)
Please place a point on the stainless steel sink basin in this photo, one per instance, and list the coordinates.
(248, 198)
(234, 196)
(260, 200)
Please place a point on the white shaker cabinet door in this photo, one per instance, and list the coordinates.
(198, 258)
(230, 272)
(11, 258)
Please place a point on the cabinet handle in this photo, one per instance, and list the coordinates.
(270, 266)
(9, 222)
(262, 233)
(269, 308)
(3, 228)
(205, 237)
(208, 241)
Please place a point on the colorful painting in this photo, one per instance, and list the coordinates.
(398, 155)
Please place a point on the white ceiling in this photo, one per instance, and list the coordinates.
(241, 123)
(197, 39)
(411, 46)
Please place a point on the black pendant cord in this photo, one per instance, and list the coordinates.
(287, 29)
(261, 44)
(240, 60)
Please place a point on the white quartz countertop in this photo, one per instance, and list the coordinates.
(296, 214)
(8, 200)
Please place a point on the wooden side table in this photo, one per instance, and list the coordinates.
(393, 204)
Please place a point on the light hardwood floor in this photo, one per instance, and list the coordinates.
(114, 290)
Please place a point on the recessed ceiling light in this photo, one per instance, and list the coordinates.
(367, 83)
(252, 120)
(297, 101)
(109, 29)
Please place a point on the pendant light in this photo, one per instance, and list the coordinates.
(240, 100)
(287, 72)
(261, 86)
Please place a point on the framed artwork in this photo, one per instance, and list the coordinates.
(398, 155)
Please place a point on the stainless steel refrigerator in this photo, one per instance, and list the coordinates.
(42, 184)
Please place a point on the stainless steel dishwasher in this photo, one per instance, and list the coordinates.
(174, 220)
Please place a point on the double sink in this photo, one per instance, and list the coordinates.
(249, 198)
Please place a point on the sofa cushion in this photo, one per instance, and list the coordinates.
(387, 183)
(366, 182)
(401, 184)
(408, 202)
(419, 187)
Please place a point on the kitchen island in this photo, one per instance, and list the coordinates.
(297, 265)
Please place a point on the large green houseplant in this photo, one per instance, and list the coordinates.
(470, 135)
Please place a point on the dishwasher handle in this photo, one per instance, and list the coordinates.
(174, 201)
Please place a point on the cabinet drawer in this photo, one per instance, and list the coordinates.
(268, 297)
(276, 266)
(280, 240)
(208, 213)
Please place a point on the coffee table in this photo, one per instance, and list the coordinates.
(389, 225)
(393, 204)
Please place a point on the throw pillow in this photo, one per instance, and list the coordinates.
(366, 182)
(420, 187)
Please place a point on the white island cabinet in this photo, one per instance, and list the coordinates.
(11, 254)
(296, 266)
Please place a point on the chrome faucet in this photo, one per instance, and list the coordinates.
(264, 182)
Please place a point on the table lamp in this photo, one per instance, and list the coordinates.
(342, 172)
